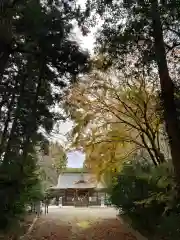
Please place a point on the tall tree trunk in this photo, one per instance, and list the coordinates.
(5, 51)
(8, 118)
(31, 125)
(14, 125)
(6, 15)
(4, 101)
(167, 90)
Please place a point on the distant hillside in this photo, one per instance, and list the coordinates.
(51, 164)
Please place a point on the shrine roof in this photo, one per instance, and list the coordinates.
(78, 181)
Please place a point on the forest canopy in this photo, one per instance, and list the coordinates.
(39, 60)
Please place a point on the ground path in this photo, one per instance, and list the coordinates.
(81, 224)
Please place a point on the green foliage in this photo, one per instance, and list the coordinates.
(127, 30)
(147, 199)
(51, 163)
(145, 34)
(58, 156)
(39, 61)
(17, 192)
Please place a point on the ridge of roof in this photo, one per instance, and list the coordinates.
(77, 180)
(78, 173)
(75, 170)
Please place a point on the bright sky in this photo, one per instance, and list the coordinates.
(75, 159)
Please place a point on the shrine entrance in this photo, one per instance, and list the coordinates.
(81, 198)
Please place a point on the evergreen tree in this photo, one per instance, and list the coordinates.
(38, 63)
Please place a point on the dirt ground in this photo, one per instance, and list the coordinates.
(80, 224)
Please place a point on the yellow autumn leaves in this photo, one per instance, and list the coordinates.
(115, 117)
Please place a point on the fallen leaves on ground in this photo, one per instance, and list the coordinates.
(50, 230)
(83, 224)
(110, 229)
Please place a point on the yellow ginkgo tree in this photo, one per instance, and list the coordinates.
(115, 116)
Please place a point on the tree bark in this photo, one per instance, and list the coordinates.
(6, 16)
(14, 125)
(167, 90)
(8, 119)
(5, 52)
(6, 33)
(31, 127)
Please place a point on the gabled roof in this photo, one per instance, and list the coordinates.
(77, 181)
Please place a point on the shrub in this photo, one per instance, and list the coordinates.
(146, 197)
(16, 191)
